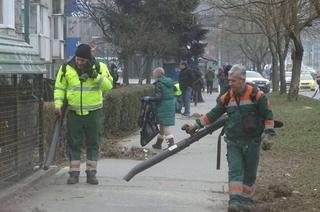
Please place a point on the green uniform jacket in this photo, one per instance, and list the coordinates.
(234, 126)
(82, 97)
(164, 101)
(209, 76)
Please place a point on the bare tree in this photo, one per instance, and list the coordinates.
(132, 32)
(297, 16)
(280, 21)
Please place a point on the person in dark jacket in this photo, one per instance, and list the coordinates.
(223, 79)
(197, 86)
(186, 79)
(114, 74)
(209, 76)
(164, 106)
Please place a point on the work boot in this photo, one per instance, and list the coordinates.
(170, 141)
(233, 210)
(158, 144)
(73, 177)
(91, 177)
(245, 208)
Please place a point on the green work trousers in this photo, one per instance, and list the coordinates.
(243, 160)
(84, 128)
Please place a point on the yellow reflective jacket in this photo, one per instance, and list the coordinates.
(85, 96)
(177, 90)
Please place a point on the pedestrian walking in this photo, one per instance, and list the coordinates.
(197, 86)
(82, 82)
(209, 77)
(318, 88)
(164, 106)
(223, 79)
(114, 74)
(186, 79)
(178, 97)
(249, 124)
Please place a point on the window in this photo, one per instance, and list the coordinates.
(33, 19)
(1, 13)
(56, 6)
(7, 13)
(55, 27)
(44, 21)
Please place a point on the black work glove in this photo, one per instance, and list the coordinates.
(83, 77)
(267, 141)
(93, 74)
(190, 128)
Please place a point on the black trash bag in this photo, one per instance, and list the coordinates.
(147, 123)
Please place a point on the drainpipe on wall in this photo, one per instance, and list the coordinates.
(65, 35)
(26, 20)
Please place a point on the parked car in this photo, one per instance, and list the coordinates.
(258, 80)
(307, 82)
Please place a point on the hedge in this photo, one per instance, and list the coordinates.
(121, 109)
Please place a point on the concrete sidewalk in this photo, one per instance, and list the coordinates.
(187, 181)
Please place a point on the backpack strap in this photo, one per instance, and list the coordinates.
(227, 98)
(64, 70)
(253, 95)
(97, 65)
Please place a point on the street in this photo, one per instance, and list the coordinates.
(187, 181)
(309, 93)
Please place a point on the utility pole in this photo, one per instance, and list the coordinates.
(219, 46)
(26, 20)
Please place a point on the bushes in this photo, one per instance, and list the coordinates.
(121, 111)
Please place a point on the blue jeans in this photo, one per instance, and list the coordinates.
(178, 104)
(186, 95)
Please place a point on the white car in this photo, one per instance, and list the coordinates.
(288, 77)
(257, 79)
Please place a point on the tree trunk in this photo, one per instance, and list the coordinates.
(297, 54)
(283, 86)
(125, 72)
(282, 57)
(275, 67)
(148, 70)
(139, 62)
(259, 66)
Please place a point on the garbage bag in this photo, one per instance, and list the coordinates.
(148, 124)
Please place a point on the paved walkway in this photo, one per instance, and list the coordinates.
(187, 181)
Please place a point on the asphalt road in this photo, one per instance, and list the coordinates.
(309, 93)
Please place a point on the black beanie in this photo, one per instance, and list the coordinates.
(84, 51)
(226, 69)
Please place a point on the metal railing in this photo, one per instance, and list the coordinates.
(21, 142)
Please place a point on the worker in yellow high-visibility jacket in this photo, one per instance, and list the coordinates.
(82, 82)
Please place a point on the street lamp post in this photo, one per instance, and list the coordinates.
(219, 46)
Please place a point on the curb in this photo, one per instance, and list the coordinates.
(26, 183)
